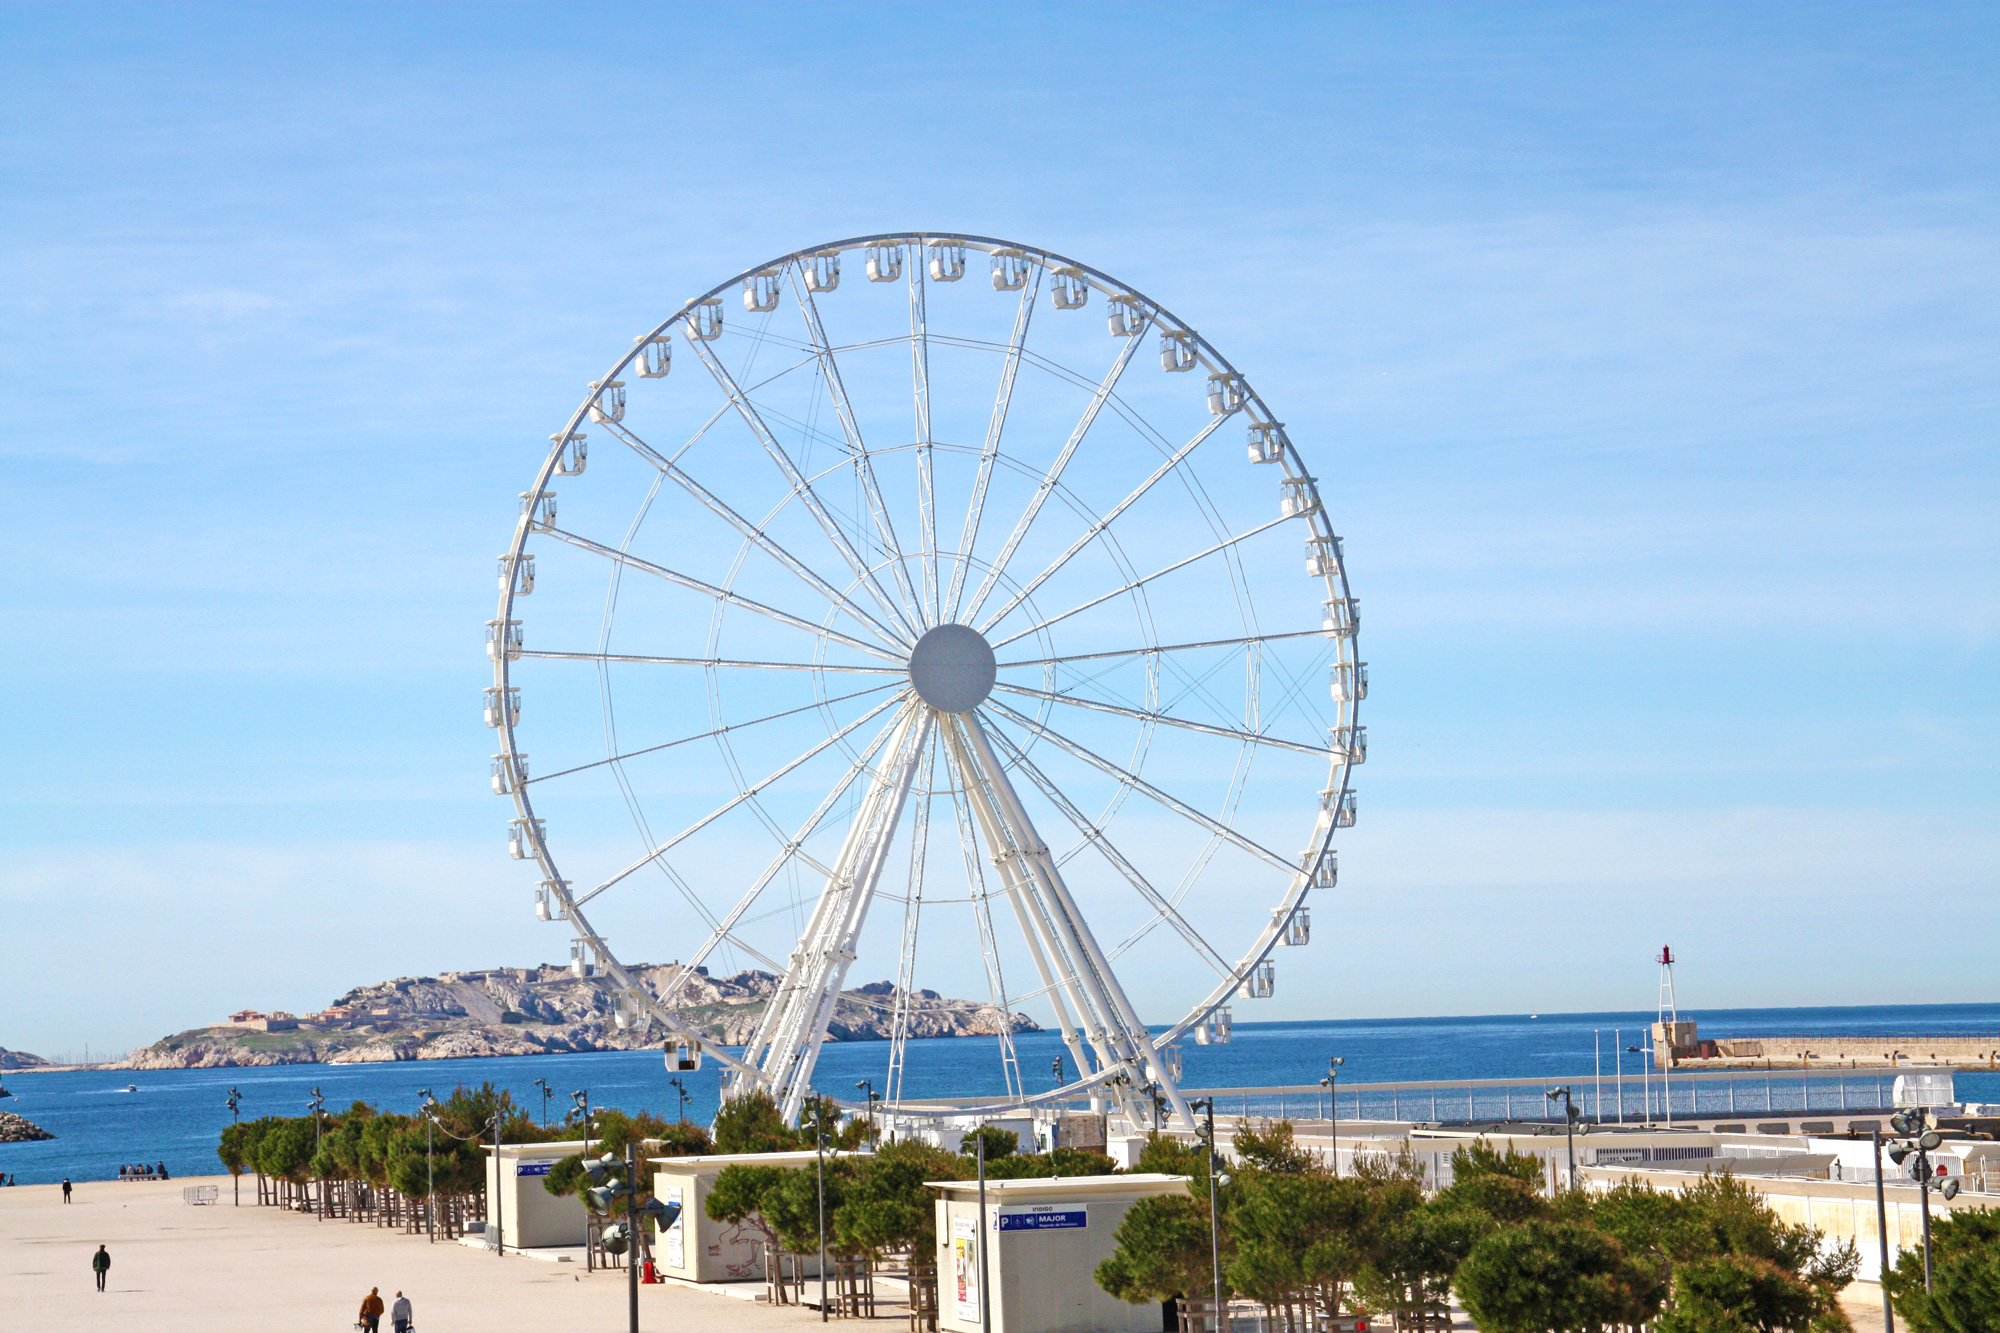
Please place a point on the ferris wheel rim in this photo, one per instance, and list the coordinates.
(1253, 409)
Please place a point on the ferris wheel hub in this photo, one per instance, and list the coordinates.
(952, 668)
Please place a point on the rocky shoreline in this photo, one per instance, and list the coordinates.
(547, 1010)
(16, 1129)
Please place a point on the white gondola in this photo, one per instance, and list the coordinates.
(1068, 289)
(508, 776)
(1300, 497)
(572, 450)
(1260, 981)
(609, 404)
(503, 639)
(1128, 315)
(540, 510)
(1342, 804)
(503, 706)
(1226, 393)
(684, 1055)
(947, 262)
(521, 572)
(544, 903)
(1170, 1056)
(523, 840)
(704, 322)
(1010, 270)
(579, 960)
(822, 270)
(1267, 441)
(1349, 683)
(1177, 350)
(656, 357)
(1340, 617)
(1323, 556)
(1350, 743)
(1215, 1029)
(885, 263)
(760, 291)
(1322, 867)
(1296, 929)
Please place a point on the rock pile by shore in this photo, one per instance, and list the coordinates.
(16, 1129)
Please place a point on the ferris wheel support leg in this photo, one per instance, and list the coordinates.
(994, 827)
(795, 1024)
(1126, 1033)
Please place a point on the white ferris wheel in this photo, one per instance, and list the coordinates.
(910, 618)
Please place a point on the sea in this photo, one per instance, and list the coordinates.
(106, 1118)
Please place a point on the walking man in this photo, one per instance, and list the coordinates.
(100, 1263)
(399, 1313)
(371, 1310)
(65, 1189)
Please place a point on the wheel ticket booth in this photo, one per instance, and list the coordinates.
(697, 1248)
(1044, 1241)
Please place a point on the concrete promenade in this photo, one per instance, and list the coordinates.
(220, 1269)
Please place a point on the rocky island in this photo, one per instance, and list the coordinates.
(538, 1011)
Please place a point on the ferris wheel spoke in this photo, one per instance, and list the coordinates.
(920, 395)
(694, 584)
(706, 662)
(1143, 787)
(1166, 648)
(1003, 399)
(792, 848)
(815, 706)
(1096, 529)
(1141, 582)
(743, 796)
(1166, 719)
(800, 486)
(1054, 475)
(1096, 837)
(863, 462)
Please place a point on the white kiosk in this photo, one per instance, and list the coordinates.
(529, 1217)
(1044, 1241)
(696, 1248)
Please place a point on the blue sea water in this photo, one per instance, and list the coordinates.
(174, 1116)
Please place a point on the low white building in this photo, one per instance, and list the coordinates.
(1044, 1241)
(697, 1248)
(519, 1208)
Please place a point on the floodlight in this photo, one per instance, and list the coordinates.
(1949, 1189)
(614, 1239)
(1930, 1140)
(1898, 1153)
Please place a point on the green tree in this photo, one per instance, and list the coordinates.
(1162, 1251)
(1553, 1277)
(1298, 1236)
(1965, 1277)
(752, 1123)
(886, 1205)
(739, 1193)
(1736, 1293)
(1272, 1150)
(1166, 1155)
(999, 1142)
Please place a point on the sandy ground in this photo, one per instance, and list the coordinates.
(222, 1269)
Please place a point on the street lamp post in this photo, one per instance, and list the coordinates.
(317, 1105)
(1921, 1140)
(1332, 1085)
(427, 1108)
(1570, 1117)
(547, 1092)
(819, 1165)
(680, 1088)
(236, 1177)
(868, 1086)
(1207, 1106)
(1882, 1235)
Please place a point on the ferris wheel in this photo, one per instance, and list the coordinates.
(939, 620)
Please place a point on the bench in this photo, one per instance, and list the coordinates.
(200, 1194)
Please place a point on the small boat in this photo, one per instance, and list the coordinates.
(131, 1087)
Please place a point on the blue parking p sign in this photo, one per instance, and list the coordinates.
(1045, 1217)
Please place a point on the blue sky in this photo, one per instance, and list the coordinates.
(1646, 355)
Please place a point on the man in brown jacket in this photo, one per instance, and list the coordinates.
(371, 1310)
